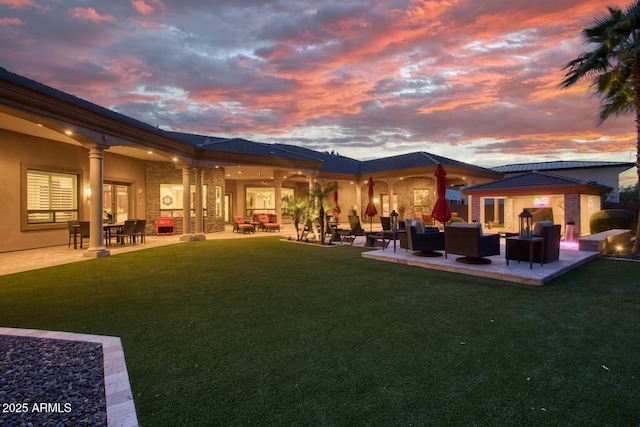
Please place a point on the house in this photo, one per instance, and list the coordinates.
(63, 158)
(565, 200)
(605, 173)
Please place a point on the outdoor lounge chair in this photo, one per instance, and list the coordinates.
(550, 245)
(424, 241)
(462, 238)
(265, 225)
(354, 231)
(240, 226)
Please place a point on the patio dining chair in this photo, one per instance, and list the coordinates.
(139, 230)
(83, 230)
(128, 230)
(73, 226)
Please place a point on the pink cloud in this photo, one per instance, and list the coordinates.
(7, 22)
(17, 4)
(147, 7)
(89, 14)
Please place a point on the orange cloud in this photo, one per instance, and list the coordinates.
(89, 14)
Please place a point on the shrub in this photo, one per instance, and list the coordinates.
(609, 219)
(456, 219)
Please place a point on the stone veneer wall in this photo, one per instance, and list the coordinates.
(572, 211)
(166, 173)
(404, 189)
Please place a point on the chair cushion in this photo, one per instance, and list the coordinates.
(537, 229)
(472, 225)
(419, 226)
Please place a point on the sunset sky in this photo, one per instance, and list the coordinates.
(474, 80)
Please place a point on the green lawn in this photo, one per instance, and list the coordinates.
(263, 332)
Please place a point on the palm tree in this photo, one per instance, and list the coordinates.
(613, 66)
(318, 194)
(297, 207)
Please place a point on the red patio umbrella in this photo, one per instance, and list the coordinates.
(336, 210)
(371, 210)
(441, 210)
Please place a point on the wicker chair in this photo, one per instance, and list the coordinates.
(424, 241)
(466, 239)
(550, 245)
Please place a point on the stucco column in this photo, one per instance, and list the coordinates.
(186, 204)
(311, 186)
(198, 205)
(96, 233)
(358, 199)
(277, 180)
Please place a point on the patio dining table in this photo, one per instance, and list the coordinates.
(107, 228)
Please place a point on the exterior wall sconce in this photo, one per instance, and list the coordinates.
(87, 193)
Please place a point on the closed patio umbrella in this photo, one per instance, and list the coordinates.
(371, 210)
(441, 211)
(336, 210)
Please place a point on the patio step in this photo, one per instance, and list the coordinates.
(605, 241)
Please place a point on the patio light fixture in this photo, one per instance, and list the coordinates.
(525, 224)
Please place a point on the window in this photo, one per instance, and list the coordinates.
(263, 199)
(52, 197)
(218, 201)
(421, 200)
(171, 200)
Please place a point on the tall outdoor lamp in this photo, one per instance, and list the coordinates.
(525, 224)
(394, 220)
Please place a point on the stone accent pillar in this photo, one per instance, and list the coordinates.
(96, 232)
(572, 212)
(186, 205)
(475, 205)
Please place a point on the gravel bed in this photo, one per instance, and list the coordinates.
(48, 382)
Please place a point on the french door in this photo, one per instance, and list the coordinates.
(115, 202)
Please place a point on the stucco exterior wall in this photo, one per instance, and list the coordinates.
(18, 151)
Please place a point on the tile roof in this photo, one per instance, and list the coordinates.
(557, 165)
(236, 145)
(63, 96)
(331, 163)
(413, 160)
(533, 179)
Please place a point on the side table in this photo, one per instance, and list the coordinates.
(531, 241)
